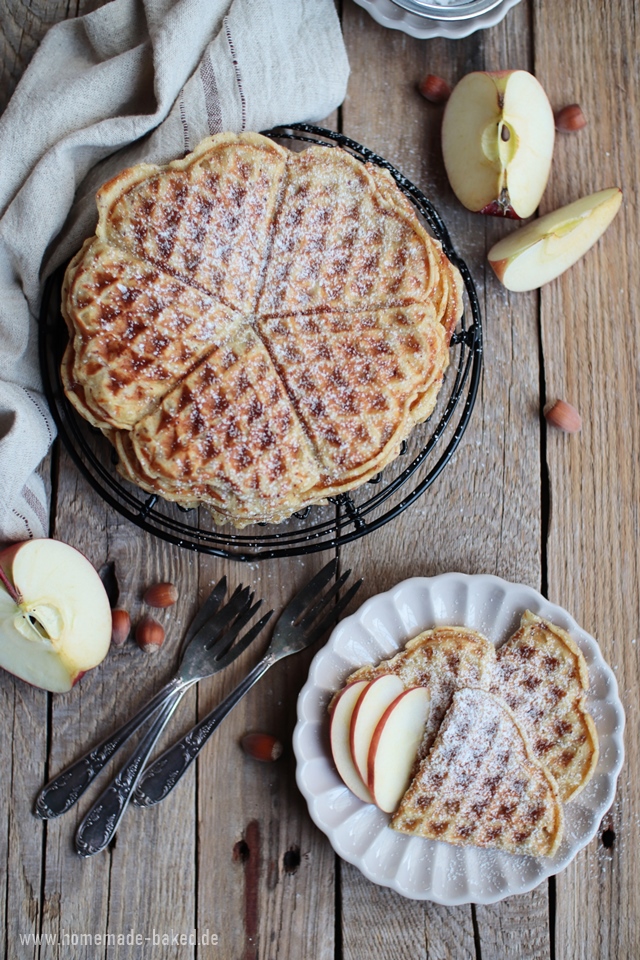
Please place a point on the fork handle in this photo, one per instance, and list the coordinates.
(162, 776)
(60, 794)
(101, 822)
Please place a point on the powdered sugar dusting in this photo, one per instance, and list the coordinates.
(480, 784)
(244, 240)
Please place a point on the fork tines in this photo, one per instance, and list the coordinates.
(305, 608)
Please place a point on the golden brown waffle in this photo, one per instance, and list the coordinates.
(482, 784)
(341, 243)
(543, 677)
(446, 291)
(206, 219)
(255, 329)
(443, 660)
(136, 331)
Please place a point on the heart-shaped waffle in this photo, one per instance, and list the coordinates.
(256, 329)
(482, 784)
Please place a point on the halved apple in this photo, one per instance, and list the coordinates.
(339, 735)
(371, 704)
(498, 132)
(394, 747)
(532, 256)
(55, 618)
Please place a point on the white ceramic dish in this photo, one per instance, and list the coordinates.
(389, 14)
(359, 832)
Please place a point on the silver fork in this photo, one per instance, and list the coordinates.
(204, 642)
(102, 820)
(296, 629)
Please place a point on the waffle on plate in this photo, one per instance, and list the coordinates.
(482, 783)
(444, 660)
(543, 677)
(256, 329)
(509, 737)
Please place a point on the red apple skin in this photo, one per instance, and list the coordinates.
(499, 267)
(376, 738)
(377, 733)
(6, 560)
(362, 793)
(354, 720)
(497, 209)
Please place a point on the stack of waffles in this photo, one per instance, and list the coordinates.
(254, 329)
(509, 739)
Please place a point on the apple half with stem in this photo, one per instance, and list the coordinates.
(532, 256)
(55, 618)
(339, 736)
(498, 132)
(371, 704)
(394, 747)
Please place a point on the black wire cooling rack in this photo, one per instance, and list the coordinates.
(344, 518)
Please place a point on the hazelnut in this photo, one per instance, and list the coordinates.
(434, 89)
(120, 626)
(161, 595)
(563, 416)
(570, 118)
(261, 746)
(149, 635)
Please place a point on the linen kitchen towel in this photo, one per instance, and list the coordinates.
(134, 80)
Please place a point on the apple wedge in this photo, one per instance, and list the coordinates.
(55, 618)
(498, 132)
(394, 747)
(545, 248)
(371, 704)
(339, 735)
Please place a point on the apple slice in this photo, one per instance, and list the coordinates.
(339, 734)
(371, 704)
(55, 618)
(394, 747)
(545, 248)
(498, 132)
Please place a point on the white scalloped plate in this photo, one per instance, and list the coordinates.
(389, 14)
(359, 832)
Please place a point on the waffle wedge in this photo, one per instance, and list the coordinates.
(482, 784)
(257, 330)
(135, 331)
(443, 660)
(542, 675)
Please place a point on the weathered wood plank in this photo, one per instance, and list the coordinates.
(591, 349)
(483, 514)
(267, 906)
(256, 841)
(23, 734)
(144, 881)
(23, 751)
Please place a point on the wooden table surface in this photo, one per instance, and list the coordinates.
(234, 851)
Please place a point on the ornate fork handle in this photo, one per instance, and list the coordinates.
(162, 776)
(60, 794)
(101, 822)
